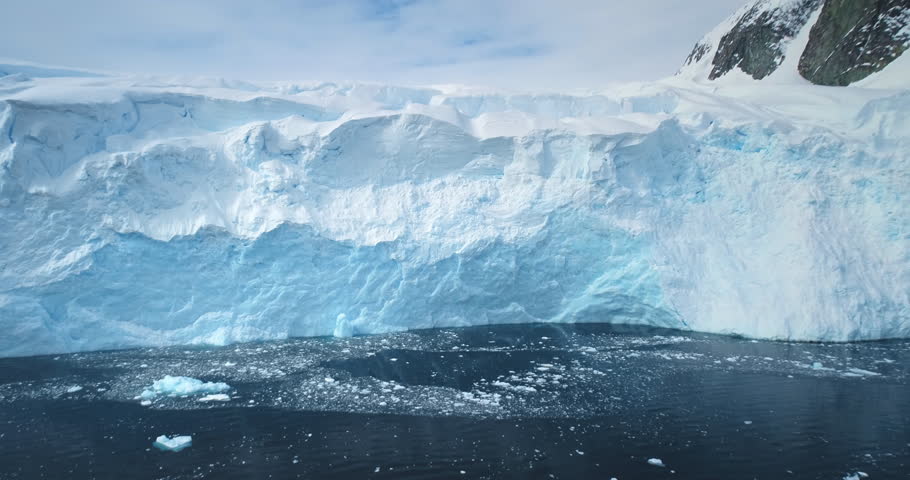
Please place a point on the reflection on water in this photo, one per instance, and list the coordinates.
(532, 401)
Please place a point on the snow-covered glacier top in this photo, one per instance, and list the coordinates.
(153, 211)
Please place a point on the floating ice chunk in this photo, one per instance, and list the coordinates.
(856, 476)
(73, 389)
(181, 386)
(860, 371)
(172, 444)
(145, 403)
(817, 366)
(216, 397)
(747, 422)
(656, 462)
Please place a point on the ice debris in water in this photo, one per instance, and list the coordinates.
(172, 444)
(74, 389)
(182, 386)
(856, 476)
(656, 462)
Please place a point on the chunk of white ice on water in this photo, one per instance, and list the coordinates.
(172, 444)
(181, 386)
(216, 397)
(656, 462)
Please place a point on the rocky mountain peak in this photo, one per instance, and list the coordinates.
(837, 42)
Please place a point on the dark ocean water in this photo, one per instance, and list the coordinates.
(532, 401)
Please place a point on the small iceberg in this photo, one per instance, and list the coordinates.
(856, 476)
(656, 462)
(173, 444)
(216, 397)
(182, 386)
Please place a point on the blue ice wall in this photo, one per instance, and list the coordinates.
(146, 216)
(212, 287)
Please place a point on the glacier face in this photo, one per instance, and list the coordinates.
(152, 211)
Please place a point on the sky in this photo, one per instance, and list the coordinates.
(501, 43)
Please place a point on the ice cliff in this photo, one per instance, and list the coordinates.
(153, 211)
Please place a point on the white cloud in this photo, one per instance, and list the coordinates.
(522, 44)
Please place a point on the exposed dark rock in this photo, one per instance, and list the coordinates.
(756, 43)
(855, 38)
(699, 52)
(850, 39)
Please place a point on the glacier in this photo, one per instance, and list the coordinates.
(151, 211)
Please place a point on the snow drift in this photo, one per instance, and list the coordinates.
(153, 211)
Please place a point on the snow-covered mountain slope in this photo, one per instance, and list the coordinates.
(150, 211)
(827, 42)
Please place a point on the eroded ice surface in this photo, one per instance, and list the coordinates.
(136, 211)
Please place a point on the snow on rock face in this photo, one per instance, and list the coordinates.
(853, 39)
(753, 40)
(757, 43)
(135, 211)
(827, 42)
